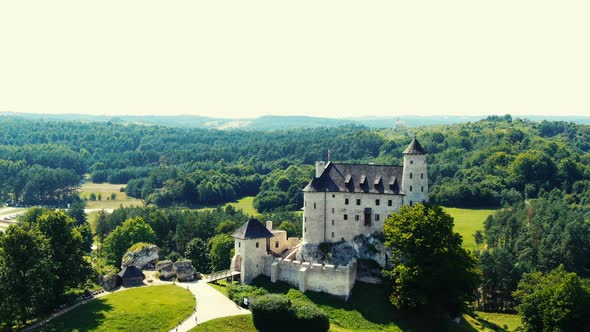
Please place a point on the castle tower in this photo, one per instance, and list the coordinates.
(415, 175)
(251, 245)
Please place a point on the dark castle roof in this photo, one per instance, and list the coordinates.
(414, 148)
(252, 229)
(378, 179)
(130, 271)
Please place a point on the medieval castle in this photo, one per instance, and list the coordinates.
(345, 205)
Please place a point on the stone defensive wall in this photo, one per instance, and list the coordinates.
(335, 280)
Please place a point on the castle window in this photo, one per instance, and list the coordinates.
(257, 245)
(411, 161)
(314, 205)
(332, 222)
(346, 201)
(333, 195)
(356, 217)
(422, 188)
(410, 175)
(410, 188)
(422, 175)
(276, 244)
(367, 219)
(239, 244)
(332, 234)
(345, 217)
(377, 202)
(342, 239)
(358, 201)
(304, 229)
(389, 203)
(332, 210)
(411, 203)
(376, 217)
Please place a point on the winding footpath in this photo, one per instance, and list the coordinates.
(211, 304)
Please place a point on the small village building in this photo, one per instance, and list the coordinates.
(130, 276)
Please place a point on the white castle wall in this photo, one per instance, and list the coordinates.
(330, 279)
(325, 221)
(415, 179)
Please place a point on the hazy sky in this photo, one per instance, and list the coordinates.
(321, 58)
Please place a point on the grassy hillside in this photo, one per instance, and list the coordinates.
(467, 222)
(153, 308)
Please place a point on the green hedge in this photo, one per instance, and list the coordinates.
(273, 312)
(238, 292)
(310, 318)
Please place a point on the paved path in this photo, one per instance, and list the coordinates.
(211, 304)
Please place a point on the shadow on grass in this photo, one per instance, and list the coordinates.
(86, 317)
(372, 304)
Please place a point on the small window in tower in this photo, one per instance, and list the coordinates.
(377, 202)
(332, 234)
(333, 195)
(345, 217)
(332, 222)
(357, 217)
(411, 161)
(276, 244)
(358, 201)
(411, 203)
(257, 245)
(422, 175)
(422, 188)
(239, 244)
(410, 175)
(346, 201)
(332, 210)
(411, 188)
(389, 203)
(342, 239)
(314, 205)
(376, 217)
(304, 229)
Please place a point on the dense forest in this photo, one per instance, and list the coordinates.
(488, 163)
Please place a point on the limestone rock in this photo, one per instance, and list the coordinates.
(370, 251)
(184, 270)
(109, 281)
(166, 269)
(141, 256)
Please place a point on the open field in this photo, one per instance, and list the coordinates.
(467, 222)
(149, 308)
(512, 322)
(227, 324)
(106, 190)
(246, 204)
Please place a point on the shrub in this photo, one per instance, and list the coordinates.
(310, 318)
(271, 312)
(238, 292)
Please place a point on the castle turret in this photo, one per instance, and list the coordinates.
(251, 244)
(415, 175)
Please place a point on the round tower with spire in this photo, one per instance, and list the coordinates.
(415, 175)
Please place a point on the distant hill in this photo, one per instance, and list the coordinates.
(275, 122)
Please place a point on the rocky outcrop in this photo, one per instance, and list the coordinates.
(166, 269)
(370, 251)
(184, 270)
(109, 281)
(142, 256)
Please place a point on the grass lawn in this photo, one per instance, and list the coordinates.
(467, 222)
(149, 308)
(227, 324)
(510, 321)
(246, 204)
(368, 309)
(106, 190)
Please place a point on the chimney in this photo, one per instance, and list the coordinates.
(269, 225)
(319, 168)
